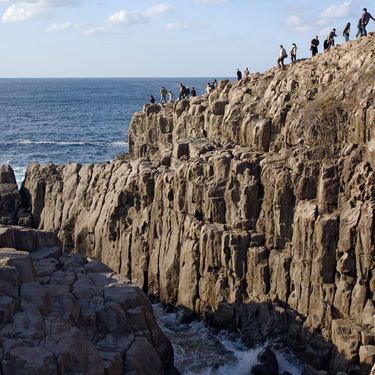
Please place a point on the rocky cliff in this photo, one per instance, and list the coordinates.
(65, 314)
(252, 206)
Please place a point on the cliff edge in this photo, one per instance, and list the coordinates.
(252, 206)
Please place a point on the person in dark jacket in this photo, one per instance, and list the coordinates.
(366, 16)
(331, 40)
(182, 92)
(314, 46)
(346, 32)
(239, 75)
(359, 28)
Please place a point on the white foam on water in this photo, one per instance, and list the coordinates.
(199, 351)
(119, 144)
(75, 143)
(19, 173)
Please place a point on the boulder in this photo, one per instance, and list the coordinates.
(65, 326)
(9, 196)
(268, 363)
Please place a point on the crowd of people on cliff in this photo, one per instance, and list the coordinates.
(329, 41)
(186, 93)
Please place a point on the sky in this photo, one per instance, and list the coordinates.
(166, 38)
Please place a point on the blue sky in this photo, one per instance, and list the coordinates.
(166, 38)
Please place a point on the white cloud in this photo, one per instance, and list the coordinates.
(211, 2)
(59, 26)
(178, 26)
(127, 18)
(24, 10)
(297, 23)
(124, 17)
(323, 21)
(158, 11)
(343, 10)
(95, 31)
(19, 13)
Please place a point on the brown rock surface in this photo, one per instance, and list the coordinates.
(253, 206)
(75, 318)
(9, 196)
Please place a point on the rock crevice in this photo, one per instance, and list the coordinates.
(252, 206)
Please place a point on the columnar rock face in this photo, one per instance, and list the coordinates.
(253, 206)
(9, 196)
(63, 314)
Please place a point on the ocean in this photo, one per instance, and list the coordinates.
(73, 120)
(87, 121)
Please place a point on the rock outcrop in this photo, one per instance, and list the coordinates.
(252, 206)
(63, 314)
(9, 196)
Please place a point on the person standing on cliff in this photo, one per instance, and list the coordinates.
(152, 100)
(331, 40)
(246, 72)
(193, 92)
(293, 53)
(366, 16)
(171, 96)
(182, 92)
(346, 32)
(314, 46)
(163, 95)
(282, 56)
(239, 75)
(359, 28)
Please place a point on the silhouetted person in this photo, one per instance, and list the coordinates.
(281, 57)
(346, 32)
(314, 46)
(182, 92)
(293, 52)
(152, 100)
(359, 28)
(366, 16)
(239, 75)
(331, 40)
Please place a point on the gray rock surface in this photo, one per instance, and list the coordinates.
(67, 315)
(9, 196)
(252, 206)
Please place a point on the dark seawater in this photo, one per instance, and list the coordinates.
(73, 120)
(198, 351)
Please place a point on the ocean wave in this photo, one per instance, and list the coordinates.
(74, 143)
(118, 144)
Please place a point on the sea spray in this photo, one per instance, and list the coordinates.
(198, 350)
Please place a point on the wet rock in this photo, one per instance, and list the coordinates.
(9, 196)
(268, 363)
(185, 315)
(366, 357)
